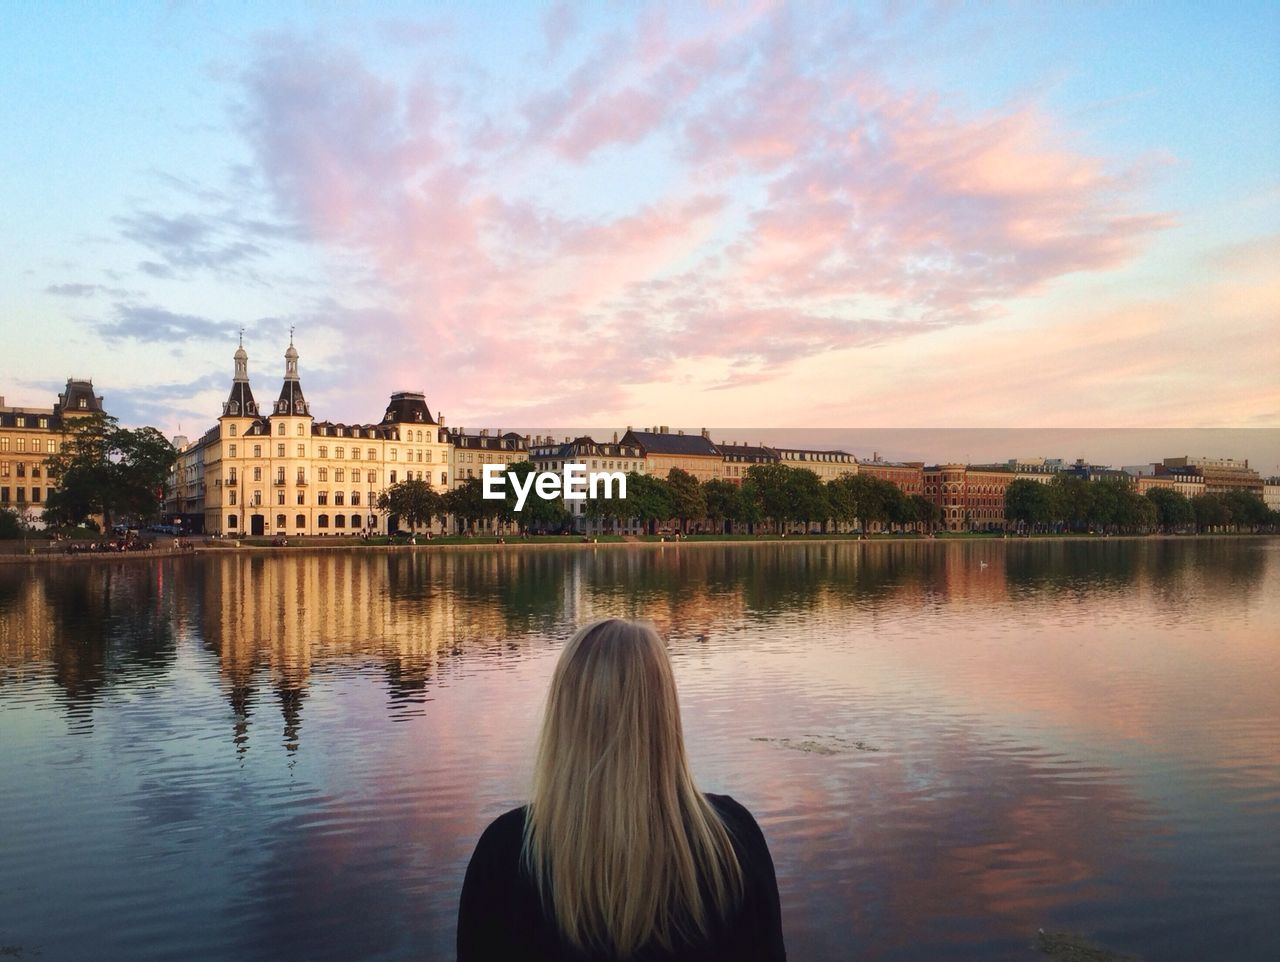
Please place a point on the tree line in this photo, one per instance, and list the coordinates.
(1112, 505)
(770, 498)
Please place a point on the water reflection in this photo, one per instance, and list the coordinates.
(950, 745)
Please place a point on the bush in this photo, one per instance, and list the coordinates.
(10, 525)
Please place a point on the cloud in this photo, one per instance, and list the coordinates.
(806, 206)
(73, 290)
(157, 325)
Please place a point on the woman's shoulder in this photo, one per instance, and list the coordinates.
(730, 809)
(506, 827)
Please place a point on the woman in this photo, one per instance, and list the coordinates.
(618, 856)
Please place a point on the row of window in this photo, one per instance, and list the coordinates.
(7, 496)
(19, 468)
(38, 445)
(282, 430)
(322, 451)
(322, 521)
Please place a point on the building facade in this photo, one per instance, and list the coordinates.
(1220, 475)
(279, 472)
(971, 498)
(30, 435)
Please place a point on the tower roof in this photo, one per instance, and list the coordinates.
(408, 407)
(291, 402)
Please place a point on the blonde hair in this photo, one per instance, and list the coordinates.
(618, 839)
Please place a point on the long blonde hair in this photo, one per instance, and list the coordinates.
(618, 838)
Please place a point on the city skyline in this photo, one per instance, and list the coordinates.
(761, 215)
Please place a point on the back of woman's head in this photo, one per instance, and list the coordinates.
(623, 847)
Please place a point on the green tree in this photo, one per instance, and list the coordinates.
(1071, 500)
(414, 501)
(1028, 504)
(468, 505)
(105, 469)
(1173, 510)
(538, 514)
(1211, 511)
(771, 488)
(808, 498)
(724, 501)
(862, 499)
(10, 525)
(648, 500)
(688, 503)
(927, 512)
(1247, 509)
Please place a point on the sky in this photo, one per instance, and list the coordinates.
(764, 215)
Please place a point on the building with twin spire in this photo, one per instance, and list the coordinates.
(275, 470)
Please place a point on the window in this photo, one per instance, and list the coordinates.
(339, 520)
(22, 444)
(4, 495)
(22, 469)
(84, 403)
(393, 477)
(231, 430)
(231, 451)
(280, 429)
(324, 450)
(231, 521)
(302, 498)
(279, 450)
(395, 454)
(302, 475)
(355, 498)
(323, 474)
(280, 521)
(300, 428)
(355, 521)
(302, 450)
(22, 496)
(44, 422)
(35, 494)
(337, 497)
(257, 450)
(371, 454)
(4, 444)
(322, 497)
(300, 521)
(51, 446)
(372, 477)
(257, 497)
(280, 497)
(322, 521)
(280, 475)
(257, 474)
(444, 477)
(339, 475)
(339, 453)
(355, 454)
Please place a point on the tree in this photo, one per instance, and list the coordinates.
(415, 502)
(772, 490)
(688, 503)
(105, 469)
(928, 513)
(1211, 511)
(808, 498)
(1173, 510)
(1247, 509)
(648, 500)
(468, 504)
(862, 499)
(10, 525)
(724, 501)
(1028, 503)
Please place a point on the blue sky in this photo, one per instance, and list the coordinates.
(1031, 214)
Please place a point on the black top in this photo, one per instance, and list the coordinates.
(501, 917)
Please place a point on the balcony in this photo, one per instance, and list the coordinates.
(301, 482)
(279, 482)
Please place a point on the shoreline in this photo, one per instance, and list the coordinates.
(205, 550)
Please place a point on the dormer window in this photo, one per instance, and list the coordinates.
(84, 402)
(235, 407)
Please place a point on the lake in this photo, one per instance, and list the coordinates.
(949, 745)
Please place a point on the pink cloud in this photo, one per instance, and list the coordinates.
(808, 209)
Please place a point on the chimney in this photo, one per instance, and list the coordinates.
(615, 433)
(666, 429)
(440, 417)
(706, 434)
(680, 431)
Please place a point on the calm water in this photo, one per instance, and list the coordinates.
(948, 746)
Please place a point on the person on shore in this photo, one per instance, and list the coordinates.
(618, 856)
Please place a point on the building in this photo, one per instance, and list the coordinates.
(1271, 493)
(1188, 482)
(1220, 474)
(30, 435)
(740, 457)
(615, 455)
(279, 471)
(827, 465)
(907, 475)
(663, 451)
(971, 497)
(469, 453)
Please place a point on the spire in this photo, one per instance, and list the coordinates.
(291, 401)
(240, 403)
